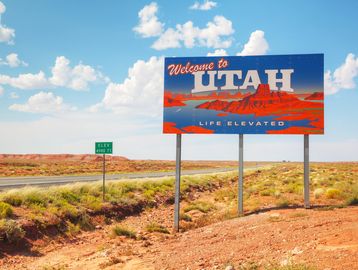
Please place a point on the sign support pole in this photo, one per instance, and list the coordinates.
(177, 183)
(241, 176)
(306, 166)
(104, 176)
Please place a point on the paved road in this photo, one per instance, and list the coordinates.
(14, 182)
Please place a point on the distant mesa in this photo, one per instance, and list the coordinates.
(315, 96)
(59, 157)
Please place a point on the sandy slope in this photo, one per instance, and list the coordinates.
(325, 239)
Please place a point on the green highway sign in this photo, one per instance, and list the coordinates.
(104, 147)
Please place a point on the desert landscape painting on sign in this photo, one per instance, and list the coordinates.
(275, 94)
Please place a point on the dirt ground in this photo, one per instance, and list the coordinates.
(325, 239)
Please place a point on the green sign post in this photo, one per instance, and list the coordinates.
(104, 148)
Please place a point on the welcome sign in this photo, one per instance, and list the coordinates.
(275, 94)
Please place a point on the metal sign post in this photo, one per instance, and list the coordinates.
(104, 148)
(177, 183)
(104, 177)
(241, 176)
(306, 165)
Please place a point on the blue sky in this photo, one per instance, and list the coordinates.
(76, 72)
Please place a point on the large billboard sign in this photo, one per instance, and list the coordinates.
(273, 94)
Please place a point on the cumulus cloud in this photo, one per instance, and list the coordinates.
(2, 8)
(211, 36)
(218, 52)
(77, 77)
(26, 81)
(6, 34)
(43, 102)
(206, 5)
(140, 93)
(343, 77)
(149, 25)
(12, 60)
(257, 44)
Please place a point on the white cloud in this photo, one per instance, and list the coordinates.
(6, 34)
(26, 81)
(211, 36)
(343, 77)
(12, 60)
(43, 102)
(140, 93)
(257, 44)
(2, 8)
(218, 52)
(206, 5)
(1, 88)
(76, 78)
(63, 75)
(149, 25)
(14, 95)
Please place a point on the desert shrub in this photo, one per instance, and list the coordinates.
(5, 210)
(266, 192)
(12, 231)
(201, 206)
(72, 229)
(34, 196)
(332, 193)
(283, 202)
(123, 231)
(318, 192)
(92, 202)
(155, 227)
(12, 198)
(353, 200)
(185, 217)
(84, 221)
(66, 210)
(68, 195)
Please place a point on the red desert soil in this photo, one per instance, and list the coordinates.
(322, 239)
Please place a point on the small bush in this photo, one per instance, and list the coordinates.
(12, 231)
(155, 227)
(5, 210)
(72, 229)
(333, 193)
(265, 193)
(12, 199)
(122, 231)
(353, 200)
(283, 202)
(318, 192)
(84, 222)
(185, 217)
(201, 206)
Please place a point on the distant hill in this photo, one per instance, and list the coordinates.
(60, 157)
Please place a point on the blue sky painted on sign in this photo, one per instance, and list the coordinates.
(73, 72)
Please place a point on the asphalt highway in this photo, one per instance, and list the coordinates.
(14, 182)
